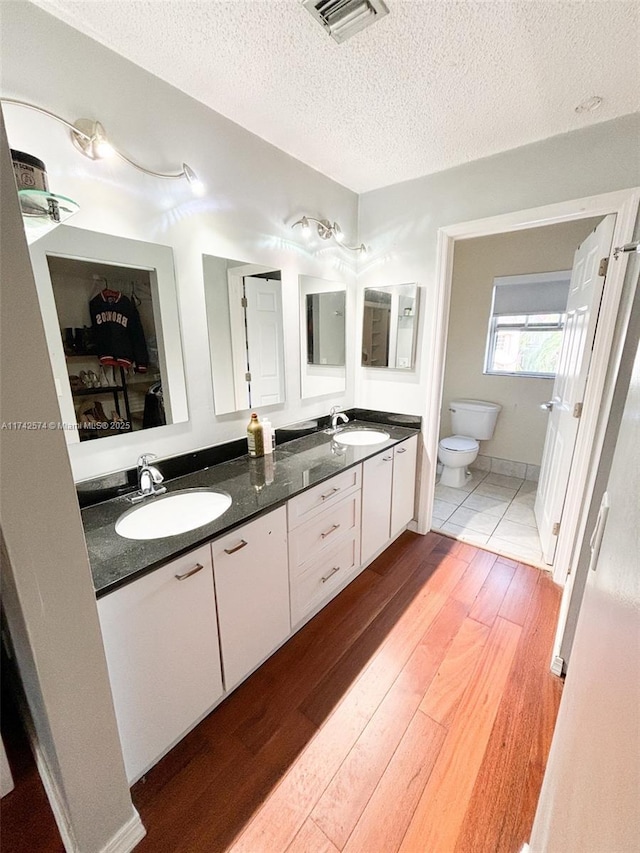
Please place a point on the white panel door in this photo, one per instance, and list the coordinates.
(377, 479)
(161, 641)
(265, 338)
(404, 484)
(585, 293)
(251, 572)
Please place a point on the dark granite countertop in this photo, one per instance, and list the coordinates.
(294, 467)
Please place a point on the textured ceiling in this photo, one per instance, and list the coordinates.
(435, 84)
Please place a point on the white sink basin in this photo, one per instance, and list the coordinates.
(172, 514)
(361, 437)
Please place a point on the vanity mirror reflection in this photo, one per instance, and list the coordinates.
(110, 312)
(390, 326)
(322, 336)
(246, 337)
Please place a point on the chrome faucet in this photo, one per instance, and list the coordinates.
(149, 479)
(336, 416)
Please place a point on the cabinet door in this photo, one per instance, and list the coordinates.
(252, 591)
(377, 477)
(161, 641)
(404, 484)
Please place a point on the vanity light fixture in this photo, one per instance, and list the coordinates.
(90, 138)
(326, 230)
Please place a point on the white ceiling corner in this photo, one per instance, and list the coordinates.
(435, 84)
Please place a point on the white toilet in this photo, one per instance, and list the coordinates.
(471, 421)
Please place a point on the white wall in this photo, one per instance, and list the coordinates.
(400, 223)
(522, 426)
(255, 192)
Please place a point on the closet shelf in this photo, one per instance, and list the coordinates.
(101, 389)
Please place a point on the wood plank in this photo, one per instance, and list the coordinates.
(404, 544)
(443, 804)
(303, 667)
(311, 839)
(404, 612)
(447, 688)
(485, 607)
(471, 582)
(503, 802)
(516, 602)
(384, 821)
(346, 796)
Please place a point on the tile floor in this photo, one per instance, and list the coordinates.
(493, 511)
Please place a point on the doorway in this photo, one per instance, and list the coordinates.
(606, 354)
(507, 313)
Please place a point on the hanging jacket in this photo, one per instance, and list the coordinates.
(117, 331)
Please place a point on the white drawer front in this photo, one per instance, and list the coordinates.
(310, 539)
(317, 584)
(315, 500)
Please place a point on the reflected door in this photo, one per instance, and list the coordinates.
(264, 337)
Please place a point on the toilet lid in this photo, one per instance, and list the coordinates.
(459, 442)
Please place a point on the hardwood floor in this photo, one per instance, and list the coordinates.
(413, 714)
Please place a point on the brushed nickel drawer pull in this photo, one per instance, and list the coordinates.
(188, 574)
(387, 458)
(329, 532)
(236, 548)
(401, 450)
(331, 493)
(331, 574)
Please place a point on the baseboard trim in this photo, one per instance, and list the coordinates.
(127, 837)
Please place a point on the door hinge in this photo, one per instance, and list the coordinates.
(247, 377)
(555, 530)
(604, 266)
(577, 410)
(244, 302)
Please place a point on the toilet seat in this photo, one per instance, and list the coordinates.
(459, 444)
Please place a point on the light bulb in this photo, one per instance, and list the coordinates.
(102, 148)
(306, 228)
(337, 233)
(197, 186)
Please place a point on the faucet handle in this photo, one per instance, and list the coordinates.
(332, 411)
(145, 459)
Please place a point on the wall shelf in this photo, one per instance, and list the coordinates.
(43, 211)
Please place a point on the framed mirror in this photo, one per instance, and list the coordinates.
(110, 312)
(246, 334)
(390, 326)
(322, 336)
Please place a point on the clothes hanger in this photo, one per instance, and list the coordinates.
(102, 286)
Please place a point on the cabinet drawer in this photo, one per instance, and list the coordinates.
(323, 576)
(307, 541)
(315, 500)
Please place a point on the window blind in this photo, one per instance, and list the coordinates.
(544, 293)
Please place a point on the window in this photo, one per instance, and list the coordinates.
(526, 323)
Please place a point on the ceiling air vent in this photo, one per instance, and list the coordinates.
(343, 18)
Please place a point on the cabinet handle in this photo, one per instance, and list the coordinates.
(401, 450)
(237, 547)
(188, 574)
(329, 532)
(329, 494)
(331, 574)
(387, 458)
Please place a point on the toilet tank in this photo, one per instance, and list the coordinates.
(475, 418)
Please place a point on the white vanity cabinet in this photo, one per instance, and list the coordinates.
(324, 541)
(161, 642)
(388, 490)
(252, 593)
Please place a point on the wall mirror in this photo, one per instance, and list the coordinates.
(246, 337)
(390, 326)
(110, 312)
(322, 336)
